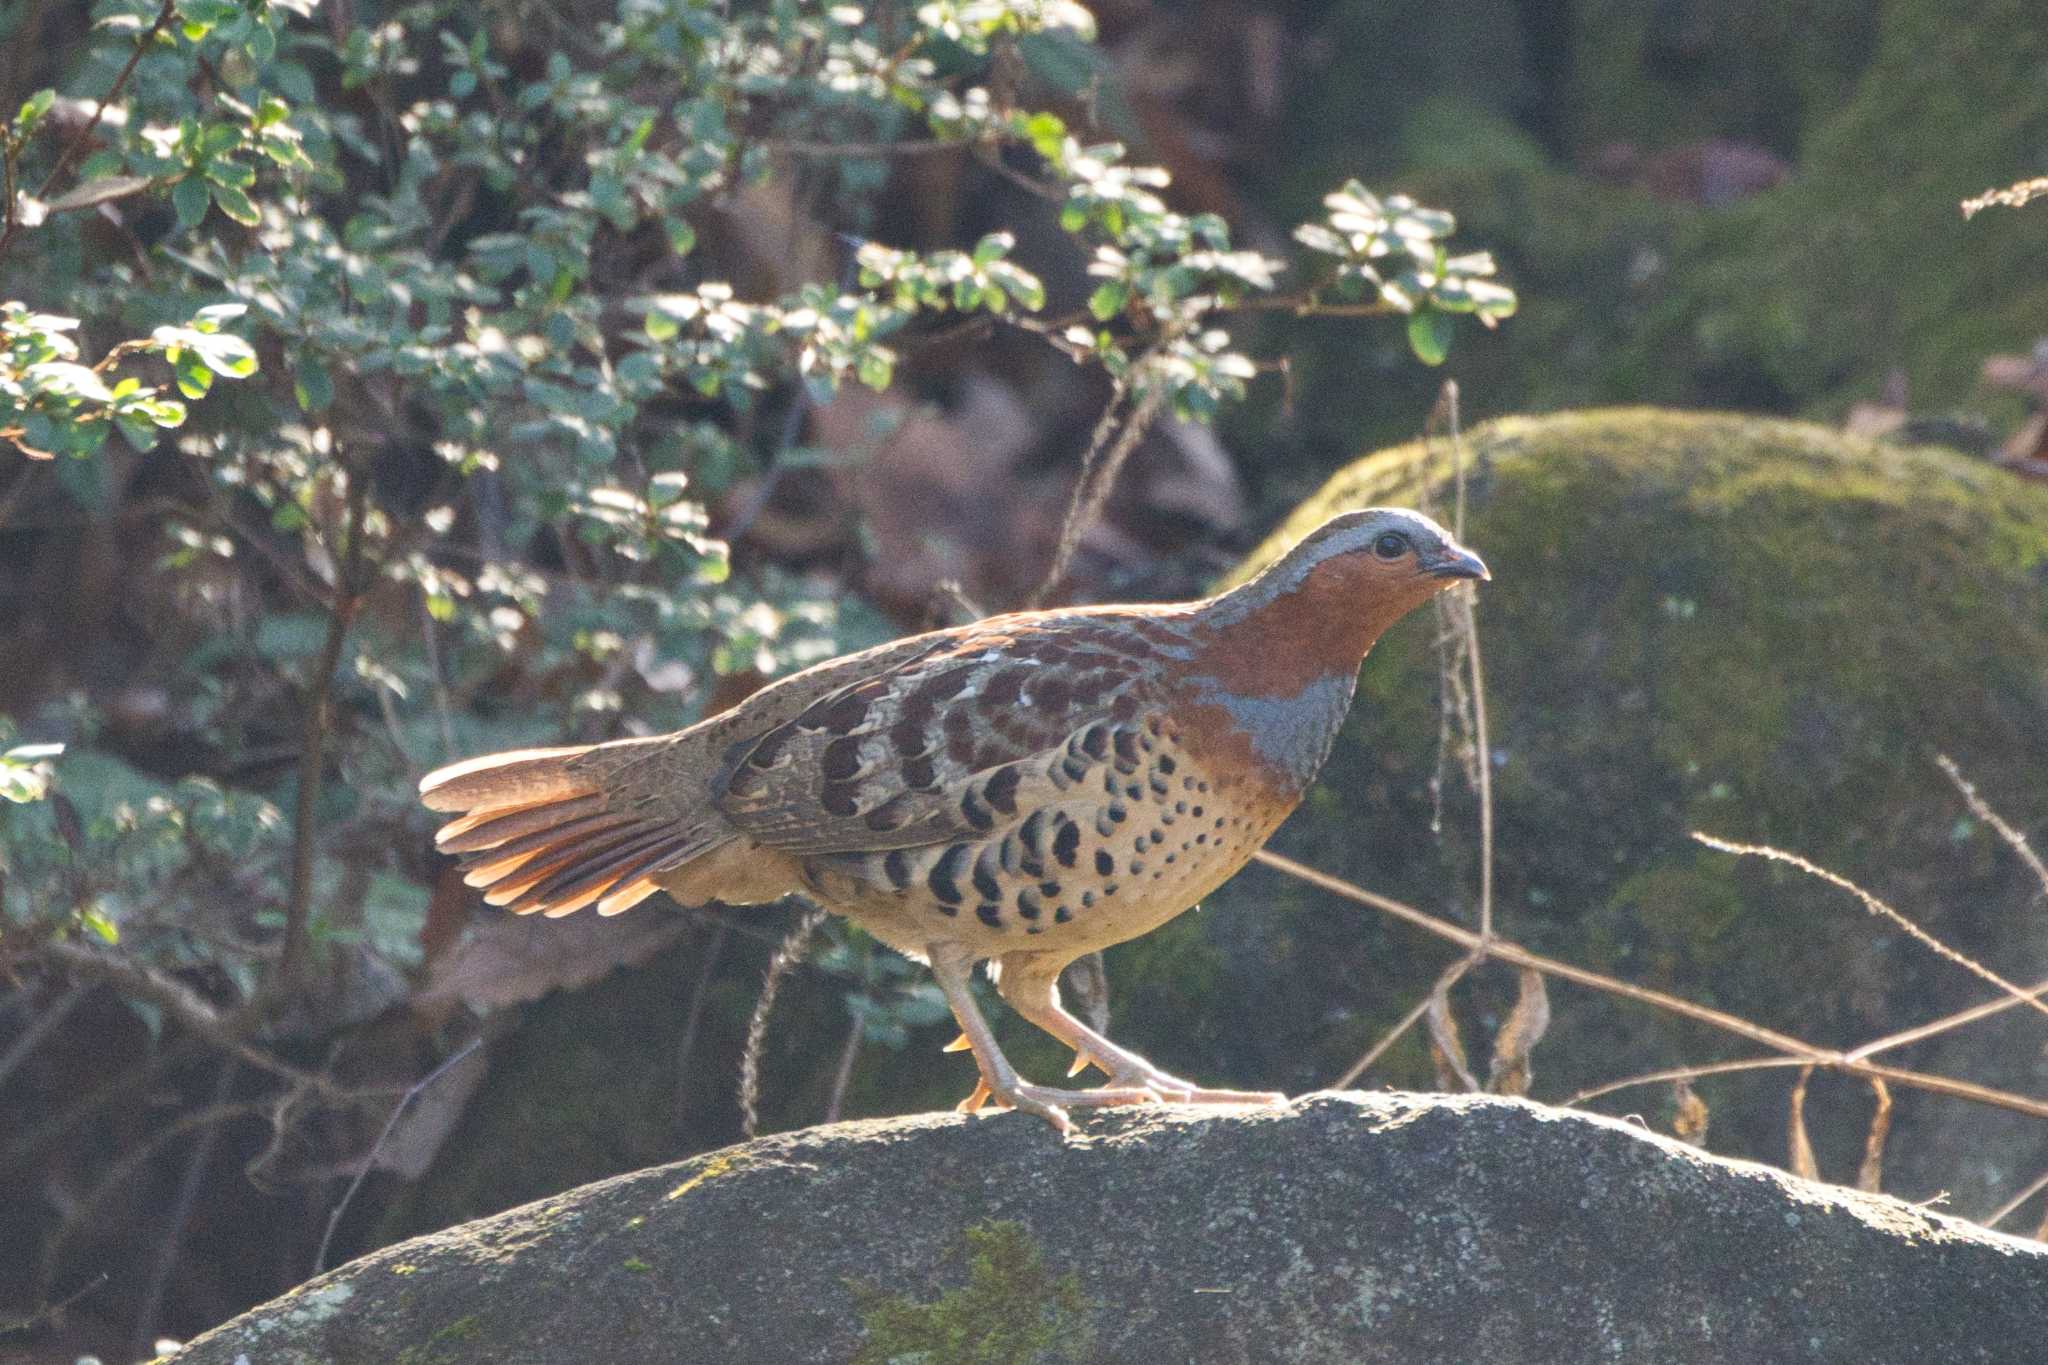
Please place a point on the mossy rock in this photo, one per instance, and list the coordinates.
(1755, 628)
(1801, 300)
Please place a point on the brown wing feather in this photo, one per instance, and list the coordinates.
(946, 745)
(554, 830)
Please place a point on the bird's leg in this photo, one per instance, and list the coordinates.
(953, 965)
(1030, 983)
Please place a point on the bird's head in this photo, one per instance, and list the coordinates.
(1327, 599)
(1388, 548)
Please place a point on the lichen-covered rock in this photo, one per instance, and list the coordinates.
(1760, 629)
(1364, 1228)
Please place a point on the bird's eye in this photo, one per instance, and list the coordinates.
(1390, 545)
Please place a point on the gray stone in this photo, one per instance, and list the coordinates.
(1345, 1227)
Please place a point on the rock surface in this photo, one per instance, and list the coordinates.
(1346, 1227)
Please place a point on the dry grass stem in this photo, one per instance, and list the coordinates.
(2010, 1206)
(1389, 1038)
(1877, 907)
(1981, 808)
(1797, 1051)
(1682, 1076)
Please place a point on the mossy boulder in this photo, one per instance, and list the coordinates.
(1802, 299)
(1756, 628)
(1366, 1228)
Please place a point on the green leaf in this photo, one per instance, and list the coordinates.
(191, 373)
(1109, 299)
(311, 384)
(1429, 335)
(226, 354)
(875, 368)
(32, 111)
(236, 205)
(189, 198)
(104, 929)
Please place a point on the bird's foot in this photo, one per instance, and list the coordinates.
(1051, 1103)
(1135, 1073)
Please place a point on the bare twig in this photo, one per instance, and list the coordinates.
(1111, 444)
(842, 1075)
(1877, 907)
(1392, 1036)
(413, 1092)
(1797, 1051)
(786, 956)
(693, 1021)
(1983, 811)
(172, 1238)
(2012, 196)
(1683, 1074)
(41, 1026)
(164, 15)
(185, 1006)
(348, 581)
(2007, 1209)
(53, 1310)
(81, 1212)
(1946, 1023)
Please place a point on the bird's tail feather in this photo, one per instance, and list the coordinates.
(537, 830)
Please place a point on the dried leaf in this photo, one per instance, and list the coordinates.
(506, 960)
(1446, 1048)
(1689, 1122)
(99, 192)
(1088, 979)
(1526, 1023)
(1801, 1159)
(1870, 1175)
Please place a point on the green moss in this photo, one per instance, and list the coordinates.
(1012, 1310)
(441, 1348)
(1758, 628)
(1804, 298)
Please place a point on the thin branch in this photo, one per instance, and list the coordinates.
(54, 1310)
(412, 1093)
(842, 1076)
(1682, 1073)
(1876, 907)
(182, 1004)
(125, 1169)
(801, 147)
(2010, 1206)
(1798, 1050)
(313, 740)
(165, 13)
(1099, 467)
(173, 1235)
(39, 1028)
(693, 1019)
(1982, 810)
(1946, 1022)
(1407, 1021)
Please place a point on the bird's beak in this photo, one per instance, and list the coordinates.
(1454, 561)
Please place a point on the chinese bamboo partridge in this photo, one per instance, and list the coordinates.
(1022, 790)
